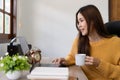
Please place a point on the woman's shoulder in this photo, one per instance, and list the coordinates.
(76, 37)
(115, 39)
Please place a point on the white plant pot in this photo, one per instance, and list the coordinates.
(13, 75)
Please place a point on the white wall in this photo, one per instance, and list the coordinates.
(50, 24)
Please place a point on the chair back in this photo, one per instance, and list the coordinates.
(113, 27)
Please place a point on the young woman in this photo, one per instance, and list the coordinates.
(103, 51)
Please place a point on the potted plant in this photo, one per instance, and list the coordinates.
(13, 65)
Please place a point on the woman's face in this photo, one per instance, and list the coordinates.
(82, 24)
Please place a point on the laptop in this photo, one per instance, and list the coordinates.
(23, 44)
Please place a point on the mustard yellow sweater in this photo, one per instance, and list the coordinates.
(108, 51)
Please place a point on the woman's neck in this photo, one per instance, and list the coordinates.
(94, 37)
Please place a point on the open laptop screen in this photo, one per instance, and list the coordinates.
(23, 44)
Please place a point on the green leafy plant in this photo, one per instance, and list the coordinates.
(15, 62)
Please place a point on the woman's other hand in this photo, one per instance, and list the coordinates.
(92, 61)
(60, 61)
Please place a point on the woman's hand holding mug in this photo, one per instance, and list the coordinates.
(92, 61)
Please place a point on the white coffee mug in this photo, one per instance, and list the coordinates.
(80, 59)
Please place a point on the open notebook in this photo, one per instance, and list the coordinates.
(49, 73)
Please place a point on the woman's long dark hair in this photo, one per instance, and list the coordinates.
(91, 15)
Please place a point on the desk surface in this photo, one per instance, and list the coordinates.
(75, 72)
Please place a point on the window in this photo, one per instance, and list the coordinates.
(8, 9)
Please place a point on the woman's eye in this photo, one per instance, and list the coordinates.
(81, 20)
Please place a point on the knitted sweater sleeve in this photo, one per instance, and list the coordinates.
(109, 70)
